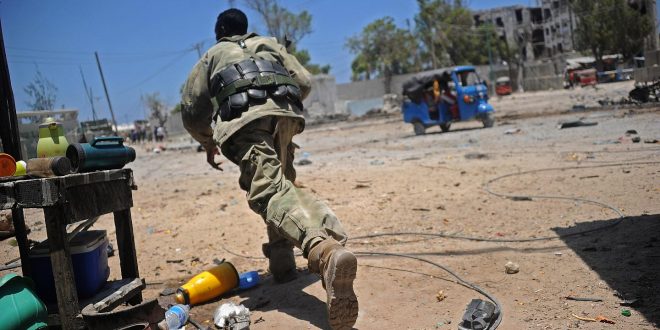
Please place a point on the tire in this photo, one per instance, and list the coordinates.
(488, 120)
(419, 128)
(445, 127)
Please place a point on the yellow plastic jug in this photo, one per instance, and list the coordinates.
(52, 141)
(208, 285)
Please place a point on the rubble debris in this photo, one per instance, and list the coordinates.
(630, 302)
(167, 292)
(636, 139)
(578, 107)
(576, 123)
(512, 131)
(475, 155)
(303, 162)
(511, 267)
(421, 209)
(583, 299)
(376, 162)
(626, 312)
(631, 132)
(650, 140)
(440, 296)
(599, 318)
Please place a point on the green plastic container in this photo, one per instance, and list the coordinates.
(20, 306)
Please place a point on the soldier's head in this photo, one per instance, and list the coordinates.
(231, 22)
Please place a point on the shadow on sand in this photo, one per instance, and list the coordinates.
(288, 298)
(626, 257)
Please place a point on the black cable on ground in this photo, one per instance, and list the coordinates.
(460, 280)
(487, 188)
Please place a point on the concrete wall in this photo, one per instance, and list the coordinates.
(321, 103)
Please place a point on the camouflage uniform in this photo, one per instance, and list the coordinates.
(259, 142)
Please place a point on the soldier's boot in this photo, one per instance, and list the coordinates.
(337, 267)
(281, 261)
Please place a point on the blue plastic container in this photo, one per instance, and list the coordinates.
(248, 280)
(89, 257)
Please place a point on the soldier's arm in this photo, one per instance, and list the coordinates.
(197, 107)
(297, 71)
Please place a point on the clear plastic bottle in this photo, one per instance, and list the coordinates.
(175, 317)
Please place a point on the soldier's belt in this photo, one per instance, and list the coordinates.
(249, 82)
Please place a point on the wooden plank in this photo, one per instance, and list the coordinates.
(126, 247)
(116, 294)
(90, 200)
(21, 239)
(60, 258)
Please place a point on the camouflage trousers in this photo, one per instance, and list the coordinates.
(264, 153)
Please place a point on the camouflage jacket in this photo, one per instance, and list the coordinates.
(199, 107)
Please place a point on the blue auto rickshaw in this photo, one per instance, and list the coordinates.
(444, 97)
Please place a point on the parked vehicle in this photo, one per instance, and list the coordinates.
(452, 95)
(503, 86)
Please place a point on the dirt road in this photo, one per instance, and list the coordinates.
(380, 178)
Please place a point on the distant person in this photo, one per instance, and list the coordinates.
(259, 88)
(160, 133)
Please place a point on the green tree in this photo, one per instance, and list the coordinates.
(382, 50)
(609, 26)
(449, 37)
(42, 93)
(288, 28)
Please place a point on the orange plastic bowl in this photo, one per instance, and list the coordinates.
(7, 165)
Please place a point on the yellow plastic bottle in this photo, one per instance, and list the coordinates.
(52, 141)
(208, 285)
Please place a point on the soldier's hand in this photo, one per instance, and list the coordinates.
(210, 158)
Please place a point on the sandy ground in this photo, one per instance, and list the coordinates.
(380, 178)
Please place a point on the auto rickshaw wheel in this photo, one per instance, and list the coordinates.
(419, 128)
(445, 127)
(488, 120)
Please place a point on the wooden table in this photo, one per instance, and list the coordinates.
(69, 199)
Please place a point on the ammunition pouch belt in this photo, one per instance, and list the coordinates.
(251, 82)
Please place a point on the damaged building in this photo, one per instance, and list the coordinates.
(537, 32)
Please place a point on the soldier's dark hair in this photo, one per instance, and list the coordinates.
(231, 22)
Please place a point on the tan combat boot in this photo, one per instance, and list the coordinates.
(337, 267)
(281, 261)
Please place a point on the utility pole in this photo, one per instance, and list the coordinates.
(107, 96)
(199, 46)
(88, 91)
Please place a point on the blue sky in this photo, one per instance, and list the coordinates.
(145, 46)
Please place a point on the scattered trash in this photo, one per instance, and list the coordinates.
(479, 314)
(583, 299)
(630, 302)
(607, 142)
(167, 292)
(248, 280)
(650, 140)
(626, 312)
(303, 162)
(110, 250)
(631, 132)
(589, 177)
(440, 296)
(176, 261)
(559, 254)
(511, 267)
(421, 209)
(218, 261)
(636, 139)
(578, 107)
(259, 320)
(475, 155)
(576, 123)
(598, 318)
(208, 284)
(232, 316)
(376, 162)
(520, 198)
(361, 185)
(512, 131)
